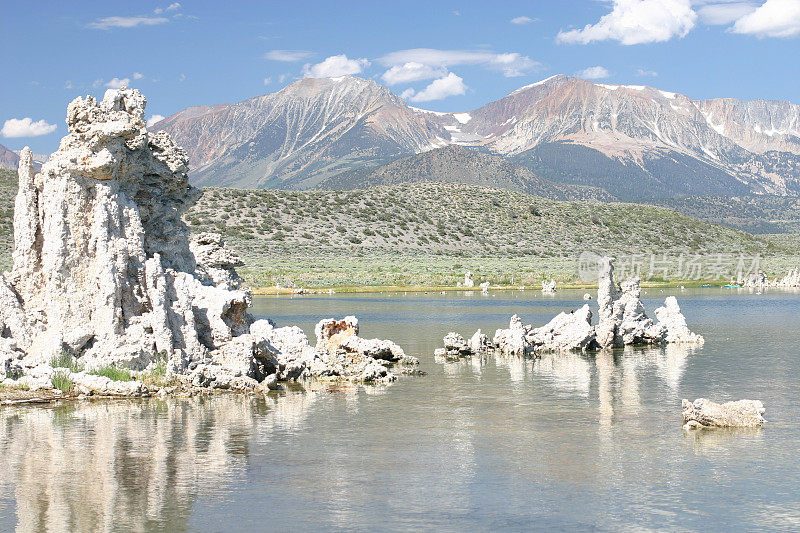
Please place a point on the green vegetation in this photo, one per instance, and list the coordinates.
(62, 381)
(113, 373)
(429, 234)
(66, 360)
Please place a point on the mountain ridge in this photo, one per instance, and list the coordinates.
(316, 128)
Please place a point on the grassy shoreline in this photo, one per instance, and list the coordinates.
(372, 289)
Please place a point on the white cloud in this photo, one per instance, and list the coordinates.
(138, 75)
(646, 73)
(287, 55)
(335, 66)
(153, 119)
(774, 18)
(450, 85)
(720, 13)
(522, 20)
(125, 22)
(181, 78)
(411, 72)
(267, 80)
(68, 85)
(26, 127)
(593, 73)
(637, 22)
(117, 83)
(172, 7)
(511, 64)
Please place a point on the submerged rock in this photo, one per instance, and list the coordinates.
(703, 413)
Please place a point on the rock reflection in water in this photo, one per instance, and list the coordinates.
(132, 465)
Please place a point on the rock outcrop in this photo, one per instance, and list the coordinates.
(703, 413)
(791, 280)
(622, 322)
(468, 281)
(549, 286)
(104, 271)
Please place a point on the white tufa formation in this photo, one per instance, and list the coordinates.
(622, 322)
(104, 272)
(703, 413)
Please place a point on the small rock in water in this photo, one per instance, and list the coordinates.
(703, 413)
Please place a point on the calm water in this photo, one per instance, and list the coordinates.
(568, 442)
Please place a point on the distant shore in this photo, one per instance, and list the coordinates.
(350, 289)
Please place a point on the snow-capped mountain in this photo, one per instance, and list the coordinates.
(295, 137)
(632, 140)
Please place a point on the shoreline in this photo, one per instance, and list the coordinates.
(268, 290)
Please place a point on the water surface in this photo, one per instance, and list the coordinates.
(568, 442)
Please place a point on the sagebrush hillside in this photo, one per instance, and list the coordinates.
(752, 213)
(457, 164)
(454, 219)
(429, 233)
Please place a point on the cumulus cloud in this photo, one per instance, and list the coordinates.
(117, 83)
(335, 66)
(126, 22)
(646, 73)
(722, 13)
(287, 55)
(26, 127)
(593, 73)
(511, 64)
(154, 119)
(522, 20)
(411, 72)
(637, 22)
(774, 18)
(450, 85)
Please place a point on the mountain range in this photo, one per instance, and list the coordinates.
(633, 141)
(9, 160)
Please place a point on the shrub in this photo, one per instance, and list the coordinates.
(62, 382)
(113, 373)
(66, 360)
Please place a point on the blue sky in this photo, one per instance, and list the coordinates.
(441, 55)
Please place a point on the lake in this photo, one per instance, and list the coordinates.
(566, 442)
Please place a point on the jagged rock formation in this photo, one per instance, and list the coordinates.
(703, 413)
(760, 282)
(791, 280)
(104, 272)
(548, 286)
(468, 281)
(622, 322)
(215, 261)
